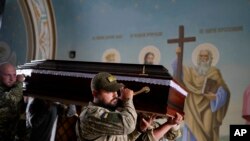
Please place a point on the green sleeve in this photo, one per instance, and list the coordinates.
(101, 121)
(134, 135)
(173, 134)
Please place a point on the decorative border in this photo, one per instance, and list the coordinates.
(40, 26)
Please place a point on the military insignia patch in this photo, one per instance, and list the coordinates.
(111, 117)
(114, 117)
(111, 78)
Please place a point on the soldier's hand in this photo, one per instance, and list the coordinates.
(126, 93)
(20, 78)
(177, 119)
(146, 122)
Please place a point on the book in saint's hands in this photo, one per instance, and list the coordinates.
(210, 85)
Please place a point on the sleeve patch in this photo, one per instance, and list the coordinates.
(114, 117)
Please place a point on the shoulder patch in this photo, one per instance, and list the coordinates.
(114, 117)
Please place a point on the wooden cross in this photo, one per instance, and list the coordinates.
(180, 42)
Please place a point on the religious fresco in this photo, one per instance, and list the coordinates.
(206, 46)
(147, 50)
(130, 26)
(44, 49)
(41, 19)
(125, 28)
(208, 100)
(111, 55)
(209, 96)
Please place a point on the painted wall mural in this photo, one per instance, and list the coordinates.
(132, 27)
(207, 102)
(111, 55)
(125, 31)
(39, 17)
(150, 55)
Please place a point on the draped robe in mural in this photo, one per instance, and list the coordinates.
(203, 117)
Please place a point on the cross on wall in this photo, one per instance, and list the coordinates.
(181, 40)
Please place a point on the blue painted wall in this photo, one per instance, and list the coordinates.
(92, 27)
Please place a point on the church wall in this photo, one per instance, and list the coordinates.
(124, 31)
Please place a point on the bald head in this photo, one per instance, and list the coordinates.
(6, 65)
(7, 74)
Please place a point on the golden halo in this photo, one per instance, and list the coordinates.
(111, 55)
(208, 46)
(154, 50)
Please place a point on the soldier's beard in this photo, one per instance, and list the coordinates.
(203, 67)
(111, 106)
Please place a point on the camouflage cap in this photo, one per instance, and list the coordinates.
(106, 81)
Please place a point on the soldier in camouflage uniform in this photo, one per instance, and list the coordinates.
(11, 95)
(101, 120)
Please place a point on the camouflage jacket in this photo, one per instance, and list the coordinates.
(172, 134)
(9, 108)
(100, 124)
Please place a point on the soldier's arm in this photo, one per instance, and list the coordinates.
(134, 135)
(112, 123)
(173, 133)
(169, 129)
(129, 116)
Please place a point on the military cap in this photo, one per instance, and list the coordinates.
(105, 81)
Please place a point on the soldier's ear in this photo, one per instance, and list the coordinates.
(94, 93)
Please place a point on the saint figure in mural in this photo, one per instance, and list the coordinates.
(150, 55)
(149, 58)
(111, 55)
(246, 105)
(208, 99)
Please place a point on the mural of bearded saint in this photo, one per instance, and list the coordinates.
(204, 111)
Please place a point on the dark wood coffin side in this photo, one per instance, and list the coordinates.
(59, 86)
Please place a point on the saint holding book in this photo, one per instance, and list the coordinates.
(210, 85)
(208, 99)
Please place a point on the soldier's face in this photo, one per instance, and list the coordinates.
(108, 99)
(8, 76)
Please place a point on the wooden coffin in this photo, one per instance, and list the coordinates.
(69, 81)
